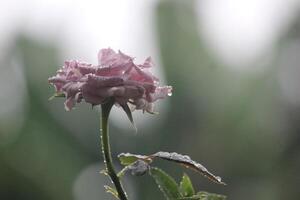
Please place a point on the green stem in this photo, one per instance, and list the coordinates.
(105, 110)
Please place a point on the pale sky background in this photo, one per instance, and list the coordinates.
(237, 30)
(241, 31)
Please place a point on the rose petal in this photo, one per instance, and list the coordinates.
(160, 93)
(148, 63)
(102, 81)
(116, 76)
(69, 104)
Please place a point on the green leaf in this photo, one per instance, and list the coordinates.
(204, 196)
(210, 196)
(112, 191)
(184, 160)
(138, 168)
(186, 186)
(123, 171)
(58, 94)
(128, 158)
(166, 184)
(129, 115)
(194, 197)
(187, 162)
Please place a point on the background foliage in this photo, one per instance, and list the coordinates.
(238, 124)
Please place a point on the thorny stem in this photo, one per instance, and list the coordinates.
(105, 110)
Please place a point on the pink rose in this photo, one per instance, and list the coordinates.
(116, 76)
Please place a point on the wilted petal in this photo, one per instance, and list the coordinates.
(133, 92)
(78, 97)
(86, 69)
(58, 82)
(149, 107)
(160, 93)
(106, 56)
(112, 63)
(109, 58)
(69, 103)
(148, 63)
(102, 81)
(117, 76)
(57, 79)
(109, 71)
(140, 103)
(141, 75)
(92, 98)
(149, 88)
(71, 88)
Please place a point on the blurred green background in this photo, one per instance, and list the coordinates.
(235, 106)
